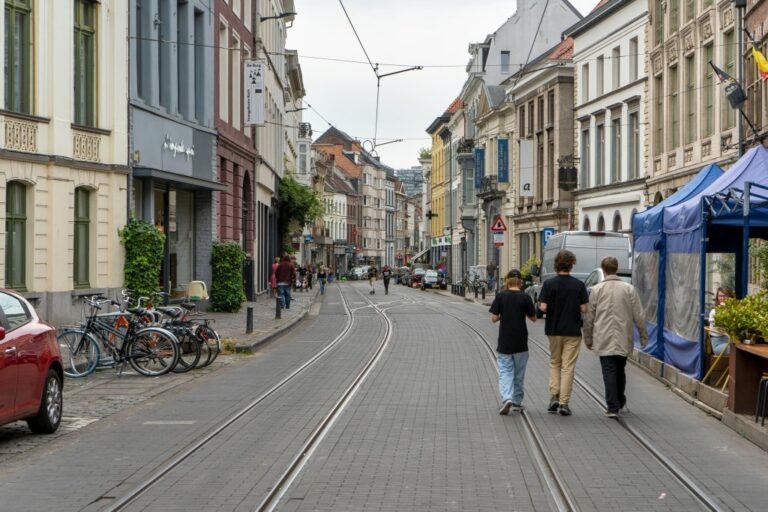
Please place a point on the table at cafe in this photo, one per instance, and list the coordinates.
(746, 365)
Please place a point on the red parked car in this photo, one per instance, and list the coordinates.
(31, 372)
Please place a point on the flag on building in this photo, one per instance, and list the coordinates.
(760, 60)
(733, 90)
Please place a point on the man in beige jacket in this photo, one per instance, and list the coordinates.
(614, 309)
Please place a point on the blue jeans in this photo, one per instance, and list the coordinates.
(284, 292)
(322, 285)
(511, 376)
(719, 345)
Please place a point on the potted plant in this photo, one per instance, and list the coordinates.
(744, 319)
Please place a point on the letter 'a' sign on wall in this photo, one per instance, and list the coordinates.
(254, 92)
(526, 168)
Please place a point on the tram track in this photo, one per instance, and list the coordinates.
(278, 489)
(706, 501)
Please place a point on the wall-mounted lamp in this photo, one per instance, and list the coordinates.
(283, 15)
(136, 157)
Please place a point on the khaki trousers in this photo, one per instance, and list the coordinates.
(563, 352)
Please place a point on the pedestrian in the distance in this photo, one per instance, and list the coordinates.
(512, 306)
(273, 277)
(386, 275)
(563, 298)
(285, 275)
(372, 278)
(310, 273)
(614, 310)
(490, 274)
(322, 275)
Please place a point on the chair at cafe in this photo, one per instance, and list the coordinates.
(717, 363)
(762, 399)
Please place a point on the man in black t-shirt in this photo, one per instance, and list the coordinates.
(511, 306)
(564, 299)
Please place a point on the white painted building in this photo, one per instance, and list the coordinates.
(610, 123)
(63, 151)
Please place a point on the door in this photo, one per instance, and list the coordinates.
(20, 340)
(9, 372)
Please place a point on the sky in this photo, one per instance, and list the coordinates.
(404, 32)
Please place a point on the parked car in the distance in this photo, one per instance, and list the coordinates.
(402, 274)
(415, 277)
(31, 372)
(360, 272)
(433, 279)
(597, 276)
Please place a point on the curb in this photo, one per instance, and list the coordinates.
(254, 346)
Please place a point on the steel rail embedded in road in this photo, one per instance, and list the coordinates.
(315, 438)
(178, 459)
(547, 468)
(701, 496)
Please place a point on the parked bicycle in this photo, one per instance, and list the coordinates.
(150, 350)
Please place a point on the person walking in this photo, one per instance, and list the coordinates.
(273, 277)
(386, 275)
(511, 307)
(614, 310)
(322, 275)
(490, 275)
(372, 278)
(285, 275)
(563, 298)
(310, 275)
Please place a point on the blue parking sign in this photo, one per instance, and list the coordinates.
(545, 234)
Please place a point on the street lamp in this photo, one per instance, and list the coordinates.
(283, 15)
(378, 87)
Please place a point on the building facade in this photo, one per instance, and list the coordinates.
(63, 151)
(172, 132)
(413, 179)
(610, 123)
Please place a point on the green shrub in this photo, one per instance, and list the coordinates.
(144, 245)
(746, 318)
(227, 293)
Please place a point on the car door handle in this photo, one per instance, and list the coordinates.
(11, 350)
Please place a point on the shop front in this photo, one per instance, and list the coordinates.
(173, 185)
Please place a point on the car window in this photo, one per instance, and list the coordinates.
(431, 273)
(592, 279)
(14, 311)
(420, 271)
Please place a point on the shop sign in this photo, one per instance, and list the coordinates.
(178, 147)
(254, 92)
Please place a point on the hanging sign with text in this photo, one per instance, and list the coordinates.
(254, 92)
(503, 160)
(526, 168)
(479, 167)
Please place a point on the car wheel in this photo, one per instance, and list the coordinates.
(48, 416)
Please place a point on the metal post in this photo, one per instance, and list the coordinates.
(278, 307)
(740, 68)
(249, 320)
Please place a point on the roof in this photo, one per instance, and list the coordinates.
(335, 183)
(496, 95)
(341, 160)
(333, 137)
(601, 10)
(455, 106)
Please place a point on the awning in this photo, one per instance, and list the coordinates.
(180, 180)
(419, 255)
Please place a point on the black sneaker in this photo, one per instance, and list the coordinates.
(554, 403)
(564, 410)
(506, 407)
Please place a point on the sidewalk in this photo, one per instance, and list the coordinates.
(231, 326)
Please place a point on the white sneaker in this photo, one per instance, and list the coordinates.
(506, 407)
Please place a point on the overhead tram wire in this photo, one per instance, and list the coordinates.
(533, 42)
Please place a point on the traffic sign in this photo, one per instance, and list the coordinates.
(498, 224)
(498, 239)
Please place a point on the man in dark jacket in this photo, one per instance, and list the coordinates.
(386, 275)
(285, 275)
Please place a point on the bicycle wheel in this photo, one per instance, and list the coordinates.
(189, 351)
(79, 352)
(152, 351)
(211, 339)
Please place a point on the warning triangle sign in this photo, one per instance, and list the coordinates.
(498, 224)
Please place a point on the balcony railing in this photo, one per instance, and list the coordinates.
(466, 145)
(489, 188)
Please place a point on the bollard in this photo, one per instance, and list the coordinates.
(476, 291)
(249, 320)
(483, 292)
(277, 307)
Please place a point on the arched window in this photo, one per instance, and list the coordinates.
(246, 234)
(600, 223)
(16, 235)
(81, 261)
(617, 222)
(657, 198)
(586, 226)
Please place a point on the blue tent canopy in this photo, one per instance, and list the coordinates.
(649, 261)
(693, 228)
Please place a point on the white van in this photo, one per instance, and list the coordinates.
(590, 247)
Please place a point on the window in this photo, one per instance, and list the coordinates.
(18, 56)
(505, 62)
(82, 238)
(617, 222)
(585, 83)
(690, 99)
(223, 72)
(166, 48)
(587, 225)
(550, 167)
(616, 67)
(633, 156)
(530, 118)
(727, 114)
(599, 79)
(141, 49)
(539, 170)
(706, 4)
(551, 107)
(541, 113)
(16, 235)
(184, 50)
(658, 22)
(599, 153)
(199, 73)
(674, 109)
(674, 15)
(690, 9)
(600, 223)
(85, 64)
(236, 83)
(708, 94)
(584, 155)
(521, 119)
(616, 148)
(658, 117)
(15, 312)
(633, 59)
